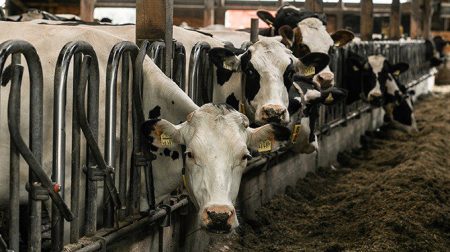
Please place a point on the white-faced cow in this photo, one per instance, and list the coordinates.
(216, 137)
(304, 32)
(375, 81)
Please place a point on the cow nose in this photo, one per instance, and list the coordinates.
(273, 113)
(325, 79)
(218, 219)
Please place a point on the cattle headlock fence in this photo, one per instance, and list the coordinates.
(121, 182)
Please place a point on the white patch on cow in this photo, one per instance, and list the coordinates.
(271, 59)
(391, 86)
(311, 95)
(377, 63)
(316, 37)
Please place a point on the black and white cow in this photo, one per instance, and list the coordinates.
(375, 80)
(216, 137)
(309, 98)
(304, 32)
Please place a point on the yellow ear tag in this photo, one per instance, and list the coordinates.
(166, 140)
(309, 70)
(265, 146)
(355, 68)
(396, 73)
(242, 108)
(337, 44)
(295, 133)
(329, 99)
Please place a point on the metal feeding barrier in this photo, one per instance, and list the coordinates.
(121, 180)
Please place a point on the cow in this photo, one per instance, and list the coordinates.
(213, 176)
(266, 67)
(309, 98)
(375, 80)
(304, 32)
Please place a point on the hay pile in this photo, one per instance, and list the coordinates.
(391, 195)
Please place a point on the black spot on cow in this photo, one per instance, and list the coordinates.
(252, 77)
(153, 148)
(313, 116)
(294, 106)
(166, 152)
(232, 101)
(288, 75)
(223, 75)
(155, 112)
(160, 153)
(403, 113)
(281, 133)
(173, 102)
(175, 155)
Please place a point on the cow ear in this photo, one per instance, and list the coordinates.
(313, 63)
(333, 96)
(287, 35)
(224, 58)
(342, 37)
(399, 68)
(162, 133)
(267, 138)
(266, 17)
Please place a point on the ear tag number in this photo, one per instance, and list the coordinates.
(309, 71)
(329, 99)
(397, 73)
(295, 133)
(166, 140)
(265, 146)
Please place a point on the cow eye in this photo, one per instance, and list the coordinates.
(247, 157)
(189, 154)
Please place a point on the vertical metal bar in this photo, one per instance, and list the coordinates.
(36, 132)
(168, 38)
(254, 30)
(124, 104)
(76, 172)
(93, 104)
(110, 143)
(14, 182)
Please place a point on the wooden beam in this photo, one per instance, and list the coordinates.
(208, 13)
(87, 10)
(219, 14)
(314, 5)
(366, 24)
(154, 21)
(394, 21)
(416, 19)
(428, 14)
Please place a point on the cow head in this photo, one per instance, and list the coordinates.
(304, 32)
(217, 140)
(267, 67)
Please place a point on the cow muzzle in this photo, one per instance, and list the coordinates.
(219, 218)
(375, 99)
(325, 79)
(274, 113)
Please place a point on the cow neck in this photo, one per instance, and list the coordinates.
(184, 179)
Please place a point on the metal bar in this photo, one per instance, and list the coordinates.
(14, 183)
(141, 156)
(254, 30)
(179, 68)
(168, 38)
(195, 75)
(134, 227)
(124, 51)
(76, 169)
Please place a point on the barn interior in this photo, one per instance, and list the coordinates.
(363, 163)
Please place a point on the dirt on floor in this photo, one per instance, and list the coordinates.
(391, 195)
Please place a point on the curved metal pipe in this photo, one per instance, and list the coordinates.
(199, 66)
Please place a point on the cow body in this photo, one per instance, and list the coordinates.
(163, 99)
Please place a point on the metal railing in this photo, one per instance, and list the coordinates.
(121, 203)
